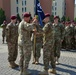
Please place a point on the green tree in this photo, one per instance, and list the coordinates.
(63, 19)
(2, 16)
(75, 19)
(52, 18)
(18, 17)
(67, 19)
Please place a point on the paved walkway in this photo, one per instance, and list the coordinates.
(67, 63)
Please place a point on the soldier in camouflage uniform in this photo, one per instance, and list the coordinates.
(38, 43)
(24, 42)
(4, 30)
(68, 35)
(72, 30)
(12, 41)
(58, 37)
(75, 35)
(48, 45)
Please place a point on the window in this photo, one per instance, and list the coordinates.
(55, 13)
(22, 9)
(16, 1)
(25, 9)
(55, 8)
(17, 10)
(25, 2)
(22, 3)
(55, 4)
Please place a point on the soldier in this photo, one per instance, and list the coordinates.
(75, 34)
(38, 41)
(12, 39)
(48, 45)
(3, 31)
(68, 35)
(58, 37)
(72, 26)
(24, 42)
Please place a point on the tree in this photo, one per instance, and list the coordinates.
(2, 16)
(52, 18)
(75, 19)
(67, 19)
(18, 17)
(63, 19)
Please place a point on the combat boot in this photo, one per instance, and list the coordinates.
(16, 64)
(57, 61)
(52, 71)
(34, 60)
(45, 72)
(12, 65)
(26, 73)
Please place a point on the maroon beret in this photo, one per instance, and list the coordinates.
(72, 21)
(26, 14)
(47, 15)
(68, 22)
(55, 17)
(13, 17)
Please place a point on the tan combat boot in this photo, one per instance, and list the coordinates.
(57, 61)
(52, 71)
(34, 60)
(26, 73)
(12, 65)
(16, 64)
(45, 72)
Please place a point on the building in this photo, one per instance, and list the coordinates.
(75, 12)
(5, 5)
(70, 4)
(12, 7)
(21, 6)
(58, 8)
(46, 6)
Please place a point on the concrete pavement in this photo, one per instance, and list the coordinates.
(67, 62)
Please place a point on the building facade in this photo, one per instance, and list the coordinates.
(46, 6)
(70, 5)
(21, 6)
(6, 6)
(58, 8)
(75, 12)
(13, 7)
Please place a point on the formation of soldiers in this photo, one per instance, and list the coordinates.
(28, 36)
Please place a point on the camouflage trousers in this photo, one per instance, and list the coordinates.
(12, 51)
(38, 48)
(68, 43)
(25, 56)
(48, 55)
(3, 37)
(57, 48)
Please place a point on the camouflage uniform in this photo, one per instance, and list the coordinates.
(58, 36)
(3, 31)
(48, 46)
(69, 33)
(12, 41)
(75, 36)
(24, 42)
(72, 30)
(39, 42)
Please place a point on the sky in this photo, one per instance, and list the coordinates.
(75, 1)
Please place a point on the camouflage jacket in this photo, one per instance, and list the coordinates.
(39, 35)
(59, 31)
(12, 33)
(4, 28)
(48, 36)
(24, 31)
